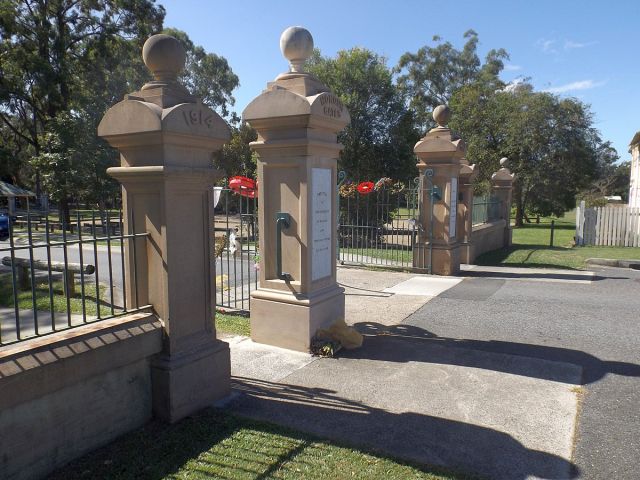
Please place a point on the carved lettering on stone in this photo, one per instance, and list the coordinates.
(453, 207)
(321, 235)
(331, 106)
(198, 117)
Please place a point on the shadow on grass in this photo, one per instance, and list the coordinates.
(214, 444)
(547, 226)
(499, 257)
(154, 451)
(43, 299)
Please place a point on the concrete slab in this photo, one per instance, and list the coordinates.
(424, 286)
(255, 360)
(503, 416)
(529, 274)
(366, 300)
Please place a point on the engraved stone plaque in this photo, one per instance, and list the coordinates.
(453, 210)
(321, 223)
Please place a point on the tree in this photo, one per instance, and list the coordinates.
(380, 138)
(432, 75)
(48, 48)
(73, 161)
(550, 142)
(64, 63)
(236, 157)
(50, 52)
(207, 76)
(612, 179)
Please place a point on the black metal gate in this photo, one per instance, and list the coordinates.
(236, 250)
(377, 222)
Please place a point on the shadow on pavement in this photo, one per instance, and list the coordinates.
(531, 276)
(416, 437)
(385, 343)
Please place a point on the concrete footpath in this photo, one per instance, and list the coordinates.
(411, 393)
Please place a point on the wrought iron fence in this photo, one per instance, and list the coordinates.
(486, 208)
(377, 227)
(236, 237)
(58, 273)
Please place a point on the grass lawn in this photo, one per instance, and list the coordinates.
(531, 247)
(212, 444)
(59, 299)
(236, 324)
(393, 254)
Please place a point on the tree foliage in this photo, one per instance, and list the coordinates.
(63, 64)
(47, 50)
(206, 75)
(380, 138)
(237, 157)
(430, 76)
(552, 146)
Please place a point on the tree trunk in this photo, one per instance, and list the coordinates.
(65, 213)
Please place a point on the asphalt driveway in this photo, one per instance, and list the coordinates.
(595, 326)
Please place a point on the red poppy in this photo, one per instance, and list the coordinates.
(245, 186)
(365, 187)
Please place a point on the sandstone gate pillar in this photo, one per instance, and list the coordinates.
(439, 155)
(166, 138)
(467, 175)
(297, 120)
(502, 188)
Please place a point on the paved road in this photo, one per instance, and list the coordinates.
(595, 326)
(238, 269)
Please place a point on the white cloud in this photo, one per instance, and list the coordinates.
(509, 67)
(574, 86)
(513, 85)
(547, 45)
(570, 44)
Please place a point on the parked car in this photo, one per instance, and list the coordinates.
(4, 226)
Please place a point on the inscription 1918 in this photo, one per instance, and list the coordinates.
(197, 117)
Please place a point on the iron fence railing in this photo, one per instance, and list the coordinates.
(58, 273)
(378, 228)
(486, 208)
(236, 238)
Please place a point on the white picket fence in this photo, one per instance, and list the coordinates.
(614, 226)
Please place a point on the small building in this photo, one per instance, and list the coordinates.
(613, 199)
(11, 192)
(634, 187)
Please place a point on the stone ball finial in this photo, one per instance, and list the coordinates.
(504, 162)
(296, 45)
(441, 115)
(164, 56)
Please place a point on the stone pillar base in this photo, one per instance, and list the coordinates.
(445, 258)
(285, 320)
(186, 382)
(467, 253)
(508, 236)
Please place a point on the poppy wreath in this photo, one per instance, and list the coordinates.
(364, 188)
(245, 186)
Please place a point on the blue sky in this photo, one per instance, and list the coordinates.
(586, 49)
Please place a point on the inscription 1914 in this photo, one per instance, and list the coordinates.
(196, 117)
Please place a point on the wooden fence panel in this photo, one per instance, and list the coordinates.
(608, 226)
